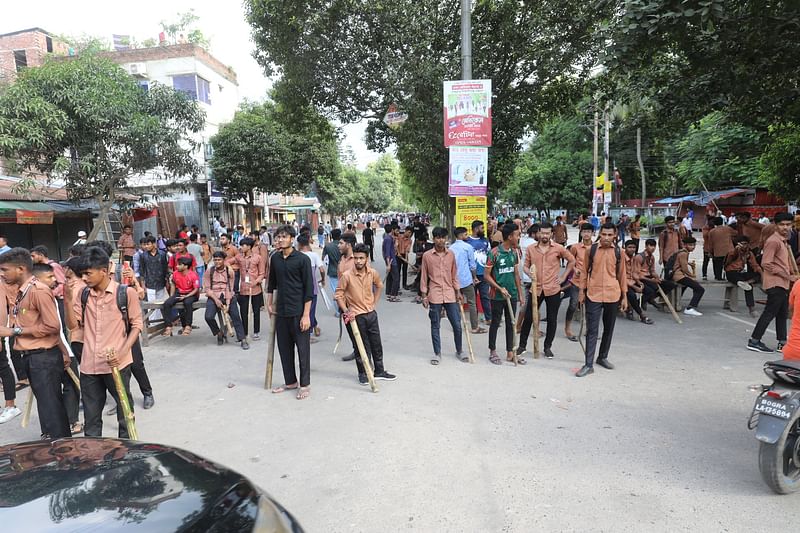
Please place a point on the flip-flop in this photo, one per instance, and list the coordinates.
(436, 359)
(647, 320)
(478, 331)
(521, 361)
(283, 388)
(572, 338)
(495, 359)
(462, 357)
(303, 393)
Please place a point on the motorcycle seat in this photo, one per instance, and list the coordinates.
(785, 371)
(784, 363)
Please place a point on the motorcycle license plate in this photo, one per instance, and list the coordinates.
(776, 408)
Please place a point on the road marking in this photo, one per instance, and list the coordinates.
(743, 321)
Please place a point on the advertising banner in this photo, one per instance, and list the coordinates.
(34, 217)
(468, 170)
(468, 113)
(470, 209)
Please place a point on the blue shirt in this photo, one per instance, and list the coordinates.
(4, 249)
(595, 222)
(481, 247)
(465, 262)
(389, 252)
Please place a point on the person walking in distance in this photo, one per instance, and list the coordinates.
(467, 275)
(546, 255)
(604, 286)
(332, 254)
(126, 245)
(390, 258)
(357, 296)
(251, 274)
(481, 246)
(503, 276)
(196, 252)
(779, 272)
(109, 333)
(742, 268)
(578, 250)
(559, 233)
(219, 290)
(290, 275)
(721, 244)
(668, 240)
(707, 255)
(439, 287)
(368, 238)
(403, 245)
(318, 274)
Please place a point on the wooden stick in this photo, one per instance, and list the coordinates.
(271, 348)
(583, 326)
(668, 304)
(467, 332)
(74, 378)
(124, 404)
(339, 338)
(535, 312)
(511, 313)
(26, 416)
(362, 352)
(226, 319)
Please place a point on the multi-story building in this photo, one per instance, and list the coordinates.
(26, 48)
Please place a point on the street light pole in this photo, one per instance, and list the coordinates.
(466, 39)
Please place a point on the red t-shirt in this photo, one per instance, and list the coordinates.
(173, 261)
(186, 281)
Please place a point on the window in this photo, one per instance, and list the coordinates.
(194, 86)
(20, 59)
(49, 42)
(144, 85)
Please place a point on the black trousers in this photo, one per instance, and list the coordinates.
(94, 388)
(138, 370)
(572, 293)
(233, 311)
(633, 301)
(186, 313)
(7, 378)
(750, 277)
(595, 311)
(697, 291)
(777, 308)
(19, 368)
(393, 282)
(552, 304)
(706, 260)
(651, 288)
(403, 266)
(371, 337)
(500, 309)
(287, 331)
(371, 251)
(244, 306)
(72, 396)
(44, 370)
(719, 264)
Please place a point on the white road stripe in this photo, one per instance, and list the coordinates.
(743, 321)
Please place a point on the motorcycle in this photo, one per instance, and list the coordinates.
(776, 419)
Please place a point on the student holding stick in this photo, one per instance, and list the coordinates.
(502, 275)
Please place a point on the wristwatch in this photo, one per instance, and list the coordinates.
(16, 331)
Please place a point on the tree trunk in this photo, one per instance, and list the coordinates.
(641, 163)
(102, 216)
(251, 209)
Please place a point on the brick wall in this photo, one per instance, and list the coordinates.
(34, 42)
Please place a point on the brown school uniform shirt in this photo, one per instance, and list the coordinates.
(706, 239)
(37, 315)
(126, 245)
(355, 290)
(775, 262)
(103, 328)
(735, 262)
(345, 264)
(231, 252)
(607, 283)
(219, 282)
(402, 245)
(668, 244)
(646, 264)
(578, 251)
(560, 234)
(721, 240)
(548, 266)
(682, 269)
(439, 279)
(634, 228)
(752, 230)
(75, 287)
(252, 269)
(631, 270)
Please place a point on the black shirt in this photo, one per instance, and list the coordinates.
(153, 270)
(366, 235)
(420, 231)
(292, 277)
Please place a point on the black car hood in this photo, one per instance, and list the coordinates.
(112, 485)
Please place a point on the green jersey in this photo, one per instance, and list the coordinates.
(503, 263)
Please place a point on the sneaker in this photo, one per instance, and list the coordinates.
(220, 339)
(362, 379)
(780, 346)
(385, 376)
(8, 413)
(256, 336)
(521, 350)
(245, 345)
(744, 286)
(758, 346)
(548, 353)
(692, 312)
(112, 411)
(350, 356)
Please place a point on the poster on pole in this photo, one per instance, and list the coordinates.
(469, 167)
(469, 209)
(468, 113)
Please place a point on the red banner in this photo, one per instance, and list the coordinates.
(34, 217)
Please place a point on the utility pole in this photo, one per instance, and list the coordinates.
(466, 39)
(606, 170)
(596, 162)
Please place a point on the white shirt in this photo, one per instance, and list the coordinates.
(763, 220)
(524, 242)
(687, 223)
(316, 263)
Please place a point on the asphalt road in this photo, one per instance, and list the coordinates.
(659, 444)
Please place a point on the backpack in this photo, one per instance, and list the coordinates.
(122, 304)
(592, 251)
(669, 266)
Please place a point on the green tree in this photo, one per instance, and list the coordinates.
(252, 154)
(185, 25)
(556, 169)
(355, 59)
(780, 163)
(717, 153)
(381, 185)
(86, 123)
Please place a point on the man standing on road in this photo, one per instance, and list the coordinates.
(154, 272)
(745, 225)
(290, 275)
(668, 240)
(604, 284)
(742, 268)
(720, 245)
(368, 238)
(481, 246)
(780, 271)
(196, 252)
(503, 276)
(547, 257)
(578, 250)
(125, 244)
(219, 289)
(420, 230)
(467, 275)
(390, 258)
(439, 288)
(403, 245)
(332, 253)
(560, 235)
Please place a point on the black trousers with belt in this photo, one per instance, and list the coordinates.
(7, 378)
(552, 303)
(94, 388)
(45, 370)
(595, 311)
(371, 337)
(287, 331)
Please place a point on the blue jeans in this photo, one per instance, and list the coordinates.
(486, 303)
(453, 315)
(334, 282)
(201, 270)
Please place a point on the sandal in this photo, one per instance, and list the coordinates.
(521, 361)
(283, 388)
(167, 332)
(436, 359)
(478, 330)
(303, 393)
(186, 331)
(76, 428)
(572, 338)
(21, 385)
(464, 358)
(495, 359)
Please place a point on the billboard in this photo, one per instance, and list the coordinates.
(470, 209)
(469, 166)
(468, 113)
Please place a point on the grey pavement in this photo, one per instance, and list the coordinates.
(658, 444)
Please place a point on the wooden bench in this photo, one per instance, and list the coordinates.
(153, 327)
